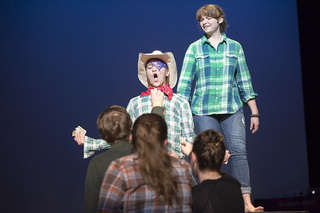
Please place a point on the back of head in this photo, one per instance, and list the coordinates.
(149, 134)
(149, 129)
(114, 124)
(214, 11)
(209, 150)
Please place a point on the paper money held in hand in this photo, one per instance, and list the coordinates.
(79, 128)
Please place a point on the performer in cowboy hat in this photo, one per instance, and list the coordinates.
(156, 71)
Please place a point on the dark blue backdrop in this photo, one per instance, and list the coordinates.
(63, 62)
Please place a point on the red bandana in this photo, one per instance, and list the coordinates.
(165, 89)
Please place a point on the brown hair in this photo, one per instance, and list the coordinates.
(148, 136)
(209, 150)
(213, 11)
(114, 124)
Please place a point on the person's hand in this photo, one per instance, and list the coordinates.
(79, 138)
(156, 97)
(186, 148)
(226, 157)
(254, 124)
(173, 154)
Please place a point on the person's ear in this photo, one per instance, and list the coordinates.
(193, 157)
(165, 142)
(168, 73)
(220, 20)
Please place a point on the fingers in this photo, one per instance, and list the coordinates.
(186, 147)
(254, 125)
(226, 157)
(156, 97)
(79, 138)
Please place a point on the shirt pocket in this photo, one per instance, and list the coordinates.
(231, 61)
(203, 61)
(231, 58)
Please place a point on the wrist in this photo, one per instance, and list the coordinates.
(254, 115)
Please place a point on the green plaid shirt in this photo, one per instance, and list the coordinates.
(221, 76)
(177, 115)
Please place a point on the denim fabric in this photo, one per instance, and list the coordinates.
(232, 126)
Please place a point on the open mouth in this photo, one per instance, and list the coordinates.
(155, 76)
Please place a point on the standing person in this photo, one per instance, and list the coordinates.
(156, 70)
(149, 180)
(218, 66)
(217, 192)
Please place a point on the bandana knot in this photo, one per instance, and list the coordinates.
(166, 89)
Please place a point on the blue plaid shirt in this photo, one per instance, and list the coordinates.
(177, 115)
(221, 76)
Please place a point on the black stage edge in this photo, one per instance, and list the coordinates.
(309, 31)
(288, 212)
(307, 203)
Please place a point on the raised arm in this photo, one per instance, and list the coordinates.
(156, 98)
(92, 145)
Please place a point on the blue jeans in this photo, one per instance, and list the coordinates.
(232, 126)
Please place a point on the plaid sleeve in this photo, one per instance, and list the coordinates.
(187, 125)
(92, 145)
(187, 74)
(244, 79)
(132, 110)
(184, 196)
(112, 191)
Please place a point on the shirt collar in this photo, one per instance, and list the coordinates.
(205, 40)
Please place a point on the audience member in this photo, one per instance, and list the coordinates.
(217, 192)
(149, 180)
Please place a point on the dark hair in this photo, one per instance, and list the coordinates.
(114, 124)
(213, 11)
(209, 150)
(148, 136)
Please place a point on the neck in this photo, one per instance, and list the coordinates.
(208, 175)
(215, 37)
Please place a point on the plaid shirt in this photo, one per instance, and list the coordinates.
(219, 74)
(177, 115)
(124, 190)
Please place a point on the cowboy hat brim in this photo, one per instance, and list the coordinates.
(167, 57)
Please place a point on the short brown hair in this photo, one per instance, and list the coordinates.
(213, 11)
(114, 124)
(209, 150)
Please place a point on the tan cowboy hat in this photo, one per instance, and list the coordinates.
(167, 57)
